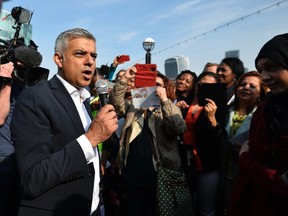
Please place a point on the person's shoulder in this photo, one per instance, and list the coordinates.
(38, 90)
(39, 87)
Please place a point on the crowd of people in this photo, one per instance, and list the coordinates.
(63, 154)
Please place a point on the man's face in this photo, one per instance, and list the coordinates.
(78, 62)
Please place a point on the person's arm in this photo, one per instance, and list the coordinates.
(117, 94)
(171, 113)
(113, 67)
(5, 90)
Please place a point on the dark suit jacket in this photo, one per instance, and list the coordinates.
(55, 177)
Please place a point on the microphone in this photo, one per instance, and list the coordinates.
(102, 90)
(29, 57)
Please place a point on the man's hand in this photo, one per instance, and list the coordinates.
(6, 70)
(103, 125)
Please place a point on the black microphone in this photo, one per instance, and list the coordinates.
(29, 57)
(102, 91)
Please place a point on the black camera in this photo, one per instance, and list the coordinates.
(26, 59)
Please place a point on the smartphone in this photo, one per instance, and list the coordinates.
(123, 58)
(215, 92)
(145, 75)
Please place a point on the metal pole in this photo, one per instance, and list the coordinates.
(148, 57)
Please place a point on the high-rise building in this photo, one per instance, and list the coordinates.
(7, 32)
(174, 66)
(232, 54)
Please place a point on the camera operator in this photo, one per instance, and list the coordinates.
(6, 78)
(19, 69)
(11, 85)
(8, 169)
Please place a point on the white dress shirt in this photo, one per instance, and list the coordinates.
(91, 154)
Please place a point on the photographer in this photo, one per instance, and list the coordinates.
(19, 68)
(8, 169)
(5, 91)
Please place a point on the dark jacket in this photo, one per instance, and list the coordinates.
(165, 124)
(55, 177)
(260, 188)
(210, 144)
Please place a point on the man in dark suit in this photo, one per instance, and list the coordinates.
(56, 138)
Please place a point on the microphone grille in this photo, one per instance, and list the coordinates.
(101, 86)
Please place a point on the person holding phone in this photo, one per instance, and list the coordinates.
(204, 140)
(146, 130)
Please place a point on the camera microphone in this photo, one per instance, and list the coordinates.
(102, 91)
(27, 56)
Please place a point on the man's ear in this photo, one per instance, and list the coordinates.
(58, 58)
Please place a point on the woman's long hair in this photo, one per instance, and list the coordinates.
(168, 85)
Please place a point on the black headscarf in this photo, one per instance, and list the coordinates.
(275, 49)
(276, 110)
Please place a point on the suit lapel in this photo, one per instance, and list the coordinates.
(65, 99)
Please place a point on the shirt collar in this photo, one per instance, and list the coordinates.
(84, 93)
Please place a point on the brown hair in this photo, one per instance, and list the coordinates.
(263, 88)
(168, 85)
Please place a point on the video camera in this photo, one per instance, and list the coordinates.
(26, 59)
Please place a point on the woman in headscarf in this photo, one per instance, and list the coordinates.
(262, 185)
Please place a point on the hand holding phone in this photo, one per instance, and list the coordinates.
(215, 92)
(123, 58)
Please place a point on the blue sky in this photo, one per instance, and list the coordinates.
(121, 26)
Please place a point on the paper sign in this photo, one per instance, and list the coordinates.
(145, 97)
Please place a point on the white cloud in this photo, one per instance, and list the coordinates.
(177, 10)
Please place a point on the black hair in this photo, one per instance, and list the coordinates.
(236, 66)
(208, 73)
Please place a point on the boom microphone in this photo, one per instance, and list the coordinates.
(29, 57)
(102, 90)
